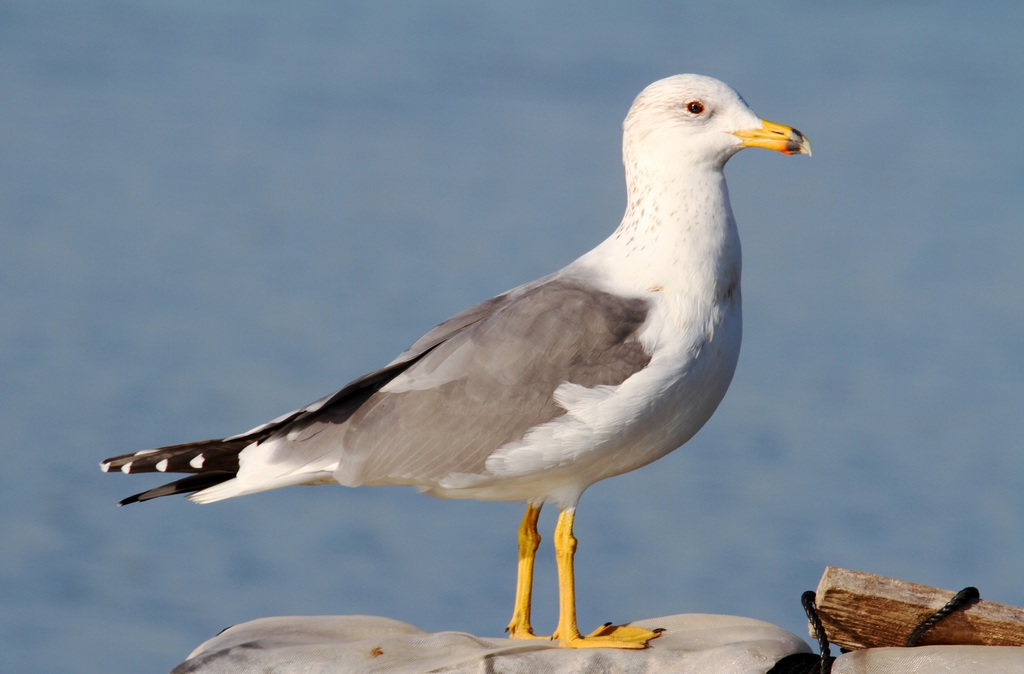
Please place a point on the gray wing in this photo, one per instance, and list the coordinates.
(478, 381)
(474, 383)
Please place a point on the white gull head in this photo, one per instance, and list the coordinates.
(694, 120)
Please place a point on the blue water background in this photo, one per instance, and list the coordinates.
(211, 213)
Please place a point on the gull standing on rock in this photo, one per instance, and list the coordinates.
(593, 371)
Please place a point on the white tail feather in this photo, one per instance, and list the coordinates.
(235, 487)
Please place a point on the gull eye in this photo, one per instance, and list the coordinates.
(695, 107)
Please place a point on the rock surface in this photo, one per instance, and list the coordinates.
(696, 643)
(932, 660)
(691, 644)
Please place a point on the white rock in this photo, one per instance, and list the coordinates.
(932, 660)
(691, 643)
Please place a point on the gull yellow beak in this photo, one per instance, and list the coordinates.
(778, 137)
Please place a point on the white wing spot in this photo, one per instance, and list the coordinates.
(127, 468)
(197, 461)
(105, 466)
(162, 466)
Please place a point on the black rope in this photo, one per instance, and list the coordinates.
(811, 609)
(797, 663)
(960, 601)
(808, 663)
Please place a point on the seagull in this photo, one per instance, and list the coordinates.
(534, 395)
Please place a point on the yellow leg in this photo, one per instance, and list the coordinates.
(568, 633)
(529, 539)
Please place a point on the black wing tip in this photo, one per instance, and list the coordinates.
(186, 485)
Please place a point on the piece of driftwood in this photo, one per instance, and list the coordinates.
(863, 610)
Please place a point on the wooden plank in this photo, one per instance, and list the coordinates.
(863, 610)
